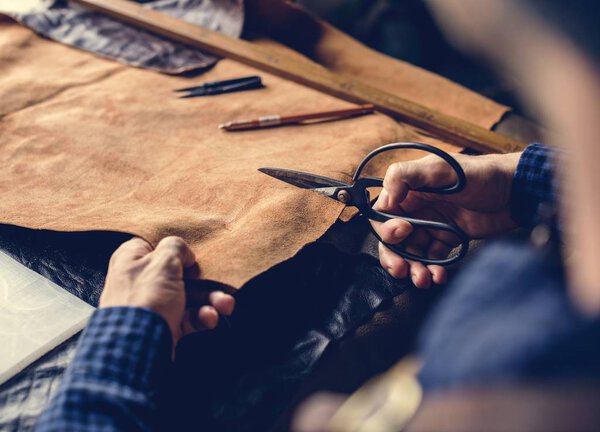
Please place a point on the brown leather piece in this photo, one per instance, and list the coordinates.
(89, 144)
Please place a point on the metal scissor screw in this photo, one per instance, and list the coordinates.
(343, 196)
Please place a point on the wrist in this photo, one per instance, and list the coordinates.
(506, 165)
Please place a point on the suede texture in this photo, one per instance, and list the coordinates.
(88, 144)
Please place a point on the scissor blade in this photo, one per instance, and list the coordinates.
(302, 179)
(194, 93)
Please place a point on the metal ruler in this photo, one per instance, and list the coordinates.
(451, 129)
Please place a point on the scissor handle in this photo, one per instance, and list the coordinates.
(366, 209)
(378, 216)
(461, 179)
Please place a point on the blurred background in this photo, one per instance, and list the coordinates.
(406, 30)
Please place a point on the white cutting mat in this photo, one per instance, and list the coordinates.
(22, 6)
(36, 315)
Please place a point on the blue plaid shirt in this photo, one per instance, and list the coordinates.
(534, 184)
(508, 316)
(115, 379)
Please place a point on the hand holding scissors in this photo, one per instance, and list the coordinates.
(429, 199)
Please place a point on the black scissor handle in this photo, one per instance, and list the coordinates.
(378, 216)
(461, 179)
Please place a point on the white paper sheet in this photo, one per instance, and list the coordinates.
(36, 315)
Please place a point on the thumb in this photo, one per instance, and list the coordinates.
(400, 178)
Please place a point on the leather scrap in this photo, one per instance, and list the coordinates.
(77, 26)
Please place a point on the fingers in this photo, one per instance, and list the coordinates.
(132, 249)
(400, 179)
(400, 268)
(438, 274)
(194, 320)
(176, 246)
(420, 275)
(220, 304)
(208, 317)
(393, 231)
(223, 303)
(395, 265)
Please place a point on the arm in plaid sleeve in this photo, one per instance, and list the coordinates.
(115, 378)
(533, 184)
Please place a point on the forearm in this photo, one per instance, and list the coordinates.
(116, 376)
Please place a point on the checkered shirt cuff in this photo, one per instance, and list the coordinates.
(124, 345)
(533, 184)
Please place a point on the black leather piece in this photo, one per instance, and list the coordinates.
(243, 375)
(76, 261)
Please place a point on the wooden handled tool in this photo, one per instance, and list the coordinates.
(312, 75)
(277, 120)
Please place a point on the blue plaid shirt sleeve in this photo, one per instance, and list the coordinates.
(114, 381)
(534, 184)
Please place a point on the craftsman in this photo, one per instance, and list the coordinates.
(512, 313)
(478, 333)
(519, 312)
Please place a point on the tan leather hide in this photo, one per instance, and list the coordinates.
(91, 144)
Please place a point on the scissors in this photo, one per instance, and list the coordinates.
(356, 194)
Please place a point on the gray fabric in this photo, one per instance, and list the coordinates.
(74, 25)
(24, 397)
